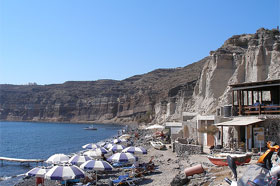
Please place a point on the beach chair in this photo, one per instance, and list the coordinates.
(125, 179)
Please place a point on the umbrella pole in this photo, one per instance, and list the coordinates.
(96, 177)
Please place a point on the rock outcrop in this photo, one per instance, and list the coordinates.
(160, 95)
(129, 100)
(242, 58)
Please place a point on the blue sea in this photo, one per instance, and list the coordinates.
(34, 140)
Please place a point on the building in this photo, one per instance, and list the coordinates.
(256, 115)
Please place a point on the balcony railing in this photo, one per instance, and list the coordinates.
(261, 109)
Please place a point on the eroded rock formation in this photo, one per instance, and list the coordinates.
(160, 95)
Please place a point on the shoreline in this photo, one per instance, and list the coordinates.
(109, 122)
(17, 177)
(170, 168)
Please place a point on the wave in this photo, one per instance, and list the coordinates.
(5, 178)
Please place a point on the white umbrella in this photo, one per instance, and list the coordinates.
(108, 145)
(38, 172)
(135, 150)
(97, 165)
(96, 153)
(119, 141)
(156, 126)
(125, 136)
(122, 157)
(116, 148)
(57, 158)
(78, 160)
(65, 172)
(91, 146)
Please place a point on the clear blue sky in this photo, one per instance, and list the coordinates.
(53, 41)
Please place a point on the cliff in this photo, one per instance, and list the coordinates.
(242, 58)
(129, 100)
(158, 96)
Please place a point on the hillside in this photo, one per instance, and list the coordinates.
(157, 96)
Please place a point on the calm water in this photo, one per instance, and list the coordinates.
(30, 140)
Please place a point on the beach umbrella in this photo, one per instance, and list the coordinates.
(38, 172)
(97, 165)
(101, 150)
(65, 172)
(96, 153)
(119, 141)
(57, 158)
(108, 145)
(122, 157)
(116, 148)
(155, 127)
(101, 143)
(135, 150)
(91, 146)
(92, 154)
(78, 160)
(125, 136)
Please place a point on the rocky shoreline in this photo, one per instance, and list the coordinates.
(170, 168)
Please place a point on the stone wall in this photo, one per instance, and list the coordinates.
(182, 149)
(272, 128)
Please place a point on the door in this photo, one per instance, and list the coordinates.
(258, 137)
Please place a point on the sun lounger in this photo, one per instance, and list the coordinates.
(125, 179)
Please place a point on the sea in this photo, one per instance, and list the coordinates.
(36, 140)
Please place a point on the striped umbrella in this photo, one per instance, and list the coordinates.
(119, 141)
(38, 172)
(135, 150)
(116, 148)
(97, 165)
(91, 146)
(125, 136)
(96, 153)
(122, 157)
(101, 143)
(57, 158)
(65, 172)
(108, 146)
(78, 160)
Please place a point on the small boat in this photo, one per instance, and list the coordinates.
(221, 158)
(157, 145)
(90, 128)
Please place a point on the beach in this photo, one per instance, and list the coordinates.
(170, 168)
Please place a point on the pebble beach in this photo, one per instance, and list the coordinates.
(170, 168)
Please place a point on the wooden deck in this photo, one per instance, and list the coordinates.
(21, 160)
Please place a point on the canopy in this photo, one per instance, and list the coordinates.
(241, 121)
(90, 146)
(38, 172)
(122, 157)
(57, 158)
(65, 173)
(97, 165)
(78, 160)
(135, 150)
(156, 126)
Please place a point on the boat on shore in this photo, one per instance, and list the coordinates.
(220, 159)
(157, 145)
(90, 128)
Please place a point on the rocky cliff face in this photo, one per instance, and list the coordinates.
(161, 95)
(242, 58)
(129, 100)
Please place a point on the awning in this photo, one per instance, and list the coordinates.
(241, 121)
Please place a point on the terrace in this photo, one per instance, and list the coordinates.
(256, 98)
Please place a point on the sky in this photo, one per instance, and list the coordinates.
(53, 41)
